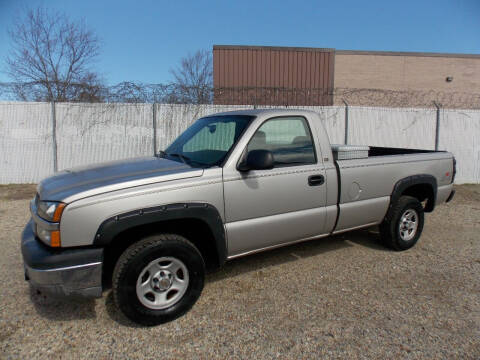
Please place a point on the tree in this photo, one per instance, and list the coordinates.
(51, 59)
(128, 92)
(136, 92)
(193, 79)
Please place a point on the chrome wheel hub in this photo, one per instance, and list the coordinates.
(408, 225)
(162, 283)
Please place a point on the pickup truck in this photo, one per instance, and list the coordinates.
(232, 184)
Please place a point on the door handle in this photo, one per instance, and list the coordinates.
(316, 180)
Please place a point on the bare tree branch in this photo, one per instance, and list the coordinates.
(52, 57)
(193, 79)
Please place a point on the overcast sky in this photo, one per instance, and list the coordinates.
(142, 40)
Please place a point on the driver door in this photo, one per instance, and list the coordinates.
(269, 208)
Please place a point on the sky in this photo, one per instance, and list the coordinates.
(141, 40)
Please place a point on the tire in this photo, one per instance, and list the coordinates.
(158, 279)
(403, 224)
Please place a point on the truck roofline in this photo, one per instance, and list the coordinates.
(266, 112)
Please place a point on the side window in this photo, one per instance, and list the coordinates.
(288, 138)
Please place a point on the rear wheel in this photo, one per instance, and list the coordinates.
(403, 224)
(158, 279)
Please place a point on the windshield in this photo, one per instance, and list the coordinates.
(208, 141)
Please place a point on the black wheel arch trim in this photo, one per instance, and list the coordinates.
(115, 225)
(407, 182)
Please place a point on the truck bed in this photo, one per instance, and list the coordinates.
(365, 184)
(351, 152)
(382, 151)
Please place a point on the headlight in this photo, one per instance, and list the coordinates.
(50, 210)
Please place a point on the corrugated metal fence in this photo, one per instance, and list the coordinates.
(90, 133)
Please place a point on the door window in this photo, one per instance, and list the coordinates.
(288, 138)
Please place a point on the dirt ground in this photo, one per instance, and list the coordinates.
(341, 297)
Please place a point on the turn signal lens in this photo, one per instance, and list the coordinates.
(58, 212)
(55, 239)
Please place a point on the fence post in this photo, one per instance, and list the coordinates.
(346, 120)
(437, 126)
(154, 124)
(54, 136)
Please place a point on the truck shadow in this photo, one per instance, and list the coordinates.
(116, 315)
(71, 309)
(62, 309)
(68, 309)
(366, 238)
(369, 238)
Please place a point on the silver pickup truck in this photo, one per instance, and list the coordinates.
(232, 184)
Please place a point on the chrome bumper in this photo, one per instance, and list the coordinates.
(62, 272)
(70, 281)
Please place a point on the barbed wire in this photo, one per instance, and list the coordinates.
(409, 98)
(132, 92)
(341, 96)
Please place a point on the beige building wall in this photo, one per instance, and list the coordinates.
(407, 79)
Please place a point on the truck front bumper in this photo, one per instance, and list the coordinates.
(61, 272)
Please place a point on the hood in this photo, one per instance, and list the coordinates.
(76, 183)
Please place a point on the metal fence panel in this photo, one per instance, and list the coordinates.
(392, 127)
(460, 134)
(92, 133)
(25, 142)
(333, 118)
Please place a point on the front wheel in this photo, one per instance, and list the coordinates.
(403, 224)
(158, 279)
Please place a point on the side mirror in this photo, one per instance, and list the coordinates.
(257, 160)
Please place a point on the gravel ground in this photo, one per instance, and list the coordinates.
(341, 297)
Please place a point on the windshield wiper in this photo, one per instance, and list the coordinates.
(182, 157)
(185, 159)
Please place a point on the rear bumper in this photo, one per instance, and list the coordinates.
(61, 272)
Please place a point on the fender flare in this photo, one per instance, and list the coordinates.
(115, 225)
(422, 179)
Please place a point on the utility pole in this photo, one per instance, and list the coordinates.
(54, 136)
(437, 126)
(346, 120)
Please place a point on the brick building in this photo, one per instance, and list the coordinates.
(311, 76)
